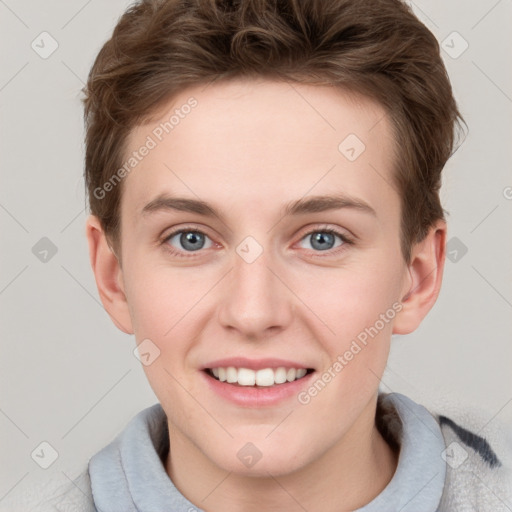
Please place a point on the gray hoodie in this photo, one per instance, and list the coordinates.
(442, 467)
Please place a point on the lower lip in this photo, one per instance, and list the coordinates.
(263, 396)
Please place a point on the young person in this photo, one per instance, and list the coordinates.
(264, 181)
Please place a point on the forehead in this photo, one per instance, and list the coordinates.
(238, 142)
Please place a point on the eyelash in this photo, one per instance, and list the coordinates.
(190, 229)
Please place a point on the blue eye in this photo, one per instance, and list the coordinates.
(193, 240)
(322, 240)
(189, 240)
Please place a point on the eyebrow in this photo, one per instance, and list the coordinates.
(314, 204)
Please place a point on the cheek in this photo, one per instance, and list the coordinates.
(162, 299)
(353, 304)
(352, 323)
(162, 304)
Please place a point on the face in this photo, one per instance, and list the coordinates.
(261, 231)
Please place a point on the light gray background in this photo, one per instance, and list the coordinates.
(69, 377)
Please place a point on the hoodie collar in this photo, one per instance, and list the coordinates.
(128, 475)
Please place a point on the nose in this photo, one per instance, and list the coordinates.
(254, 301)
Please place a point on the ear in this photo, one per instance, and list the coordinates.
(108, 275)
(424, 282)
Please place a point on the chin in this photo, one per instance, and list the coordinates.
(259, 458)
(266, 468)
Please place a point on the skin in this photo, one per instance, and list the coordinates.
(248, 149)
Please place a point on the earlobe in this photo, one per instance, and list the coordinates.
(108, 275)
(425, 278)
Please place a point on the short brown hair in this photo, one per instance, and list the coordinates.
(375, 47)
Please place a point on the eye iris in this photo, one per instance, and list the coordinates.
(322, 241)
(192, 241)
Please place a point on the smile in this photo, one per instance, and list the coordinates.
(264, 377)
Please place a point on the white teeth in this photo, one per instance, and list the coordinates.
(291, 374)
(246, 377)
(264, 377)
(280, 375)
(231, 374)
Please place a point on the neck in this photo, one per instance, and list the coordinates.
(346, 477)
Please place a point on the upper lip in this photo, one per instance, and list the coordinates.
(254, 364)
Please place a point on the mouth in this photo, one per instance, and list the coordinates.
(264, 378)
